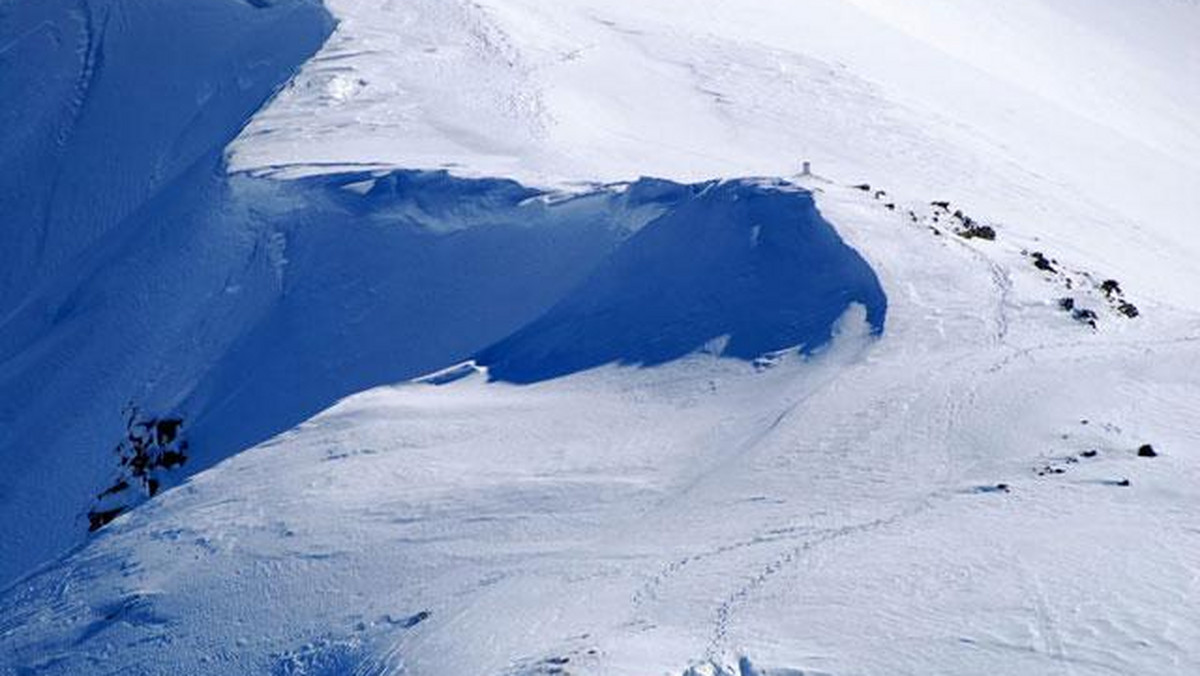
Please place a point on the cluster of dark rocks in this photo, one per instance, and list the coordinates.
(1110, 289)
(1060, 466)
(1043, 262)
(1116, 297)
(961, 224)
(958, 222)
(152, 447)
(1079, 314)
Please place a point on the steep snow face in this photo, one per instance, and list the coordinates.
(377, 279)
(1060, 118)
(744, 269)
(118, 271)
(107, 104)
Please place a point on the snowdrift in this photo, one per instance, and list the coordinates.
(752, 267)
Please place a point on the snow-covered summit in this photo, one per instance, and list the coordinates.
(1064, 118)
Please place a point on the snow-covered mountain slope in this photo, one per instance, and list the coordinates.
(835, 514)
(238, 305)
(114, 262)
(261, 303)
(107, 103)
(664, 426)
(1056, 117)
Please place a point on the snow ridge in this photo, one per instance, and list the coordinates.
(753, 267)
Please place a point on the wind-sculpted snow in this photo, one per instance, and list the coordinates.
(741, 267)
(136, 272)
(143, 275)
(262, 302)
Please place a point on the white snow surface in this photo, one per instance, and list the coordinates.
(829, 515)
(1068, 117)
(959, 494)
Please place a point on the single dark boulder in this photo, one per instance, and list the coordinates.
(170, 459)
(99, 519)
(166, 429)
(1147, 451)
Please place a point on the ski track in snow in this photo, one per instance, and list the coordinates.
(718, 646)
